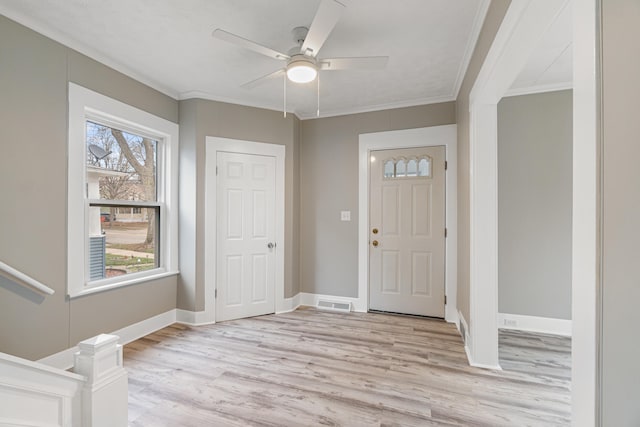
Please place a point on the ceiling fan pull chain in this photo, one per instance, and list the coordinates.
(285, 95)
(318, 110)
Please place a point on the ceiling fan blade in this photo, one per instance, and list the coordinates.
(248, 44)
(263, 79)
(357, 63)
(323, 23)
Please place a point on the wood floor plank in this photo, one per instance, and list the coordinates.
(311, 367)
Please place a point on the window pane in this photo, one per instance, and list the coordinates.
(424, 167)
(120, 165)
(401, 168)
(389, 169)
(122, 240)
(412, 168)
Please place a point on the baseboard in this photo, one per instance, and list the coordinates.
(312, 300)
(64, 359)
(138, 330)
(463, 328)
(451, 316)
(289, 304)
(543, 325)
(193, 318)
(462, 325)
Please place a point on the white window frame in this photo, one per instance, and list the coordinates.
(85, 104)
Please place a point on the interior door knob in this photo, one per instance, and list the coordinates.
(271, 245)
(375, 243)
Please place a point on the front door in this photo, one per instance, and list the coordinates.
(407, 231)
(245, 264)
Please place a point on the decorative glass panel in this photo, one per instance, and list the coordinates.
(412, 167)
(401, 168)
(424, 167)
(389, 169)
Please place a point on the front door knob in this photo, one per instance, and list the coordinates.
(375, 243)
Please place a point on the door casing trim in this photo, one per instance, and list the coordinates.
(410, 138)
(213, 145)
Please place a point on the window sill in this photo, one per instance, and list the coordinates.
(159, 274)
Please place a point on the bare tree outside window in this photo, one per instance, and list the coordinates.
(124, 170)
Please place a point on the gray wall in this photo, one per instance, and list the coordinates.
(620, 316)
(492, 22)
(329, 184)
(535, 167)
(34, 73)
(199, 119)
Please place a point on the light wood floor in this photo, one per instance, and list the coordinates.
(311, 367)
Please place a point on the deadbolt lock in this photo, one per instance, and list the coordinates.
(374, 231)
(375, 243)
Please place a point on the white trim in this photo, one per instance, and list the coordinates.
(463, 322)
(290, 304)
(64, 358)
(155, 274)
(212, 146)
(192, 318)
(544, 325)
(408, 138)
(145, 327)
(468, 344)
(523, 26)
(476, 28)
(311, 300)
(585, 369)
(377, 107)
(13, 274)
(39, 395)
(77, 45)
(323, 113)
(530, 90)
(85, 103)
(483, 242)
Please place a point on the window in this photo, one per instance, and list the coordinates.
(389, 169)
(424, 167)
(401, 168)
(121, 194)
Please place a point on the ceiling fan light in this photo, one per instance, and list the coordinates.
(301, 72)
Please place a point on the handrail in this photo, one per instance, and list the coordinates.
(12, 273)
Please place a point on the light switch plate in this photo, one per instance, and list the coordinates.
(345, 215)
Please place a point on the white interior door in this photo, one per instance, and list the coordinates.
(407, 231)
(245, 261)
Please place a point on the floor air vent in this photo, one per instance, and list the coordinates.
(333, 305)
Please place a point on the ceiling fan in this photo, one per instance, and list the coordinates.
(302, 62)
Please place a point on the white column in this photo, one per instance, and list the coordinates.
(105, 394)
(484, 236)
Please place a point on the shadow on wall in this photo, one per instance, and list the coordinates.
(21, 291)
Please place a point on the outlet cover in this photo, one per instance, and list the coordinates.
(345, 215)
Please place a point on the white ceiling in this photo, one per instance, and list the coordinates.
(550, 66)
(168, 45)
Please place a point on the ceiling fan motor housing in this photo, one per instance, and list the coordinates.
(299, 34)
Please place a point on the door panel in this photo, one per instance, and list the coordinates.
(245, 276)
(390, 272)
(407, 206)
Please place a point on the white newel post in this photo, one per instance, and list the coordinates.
(105, 394)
